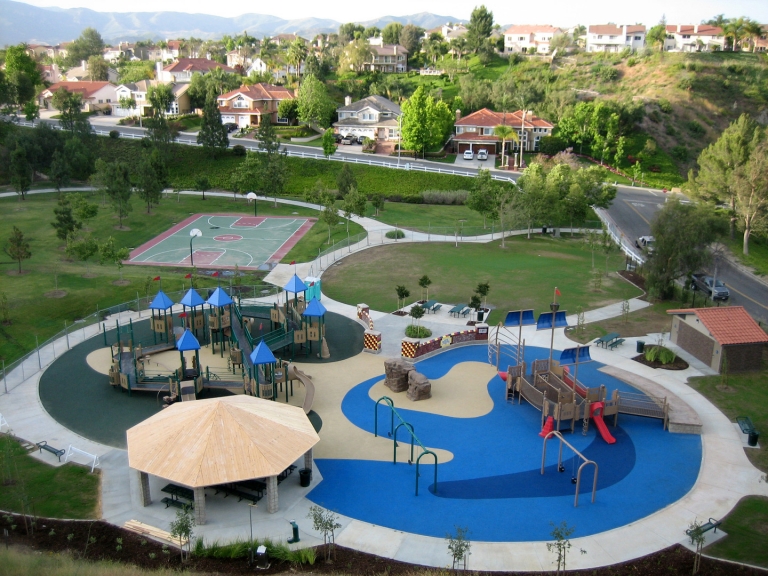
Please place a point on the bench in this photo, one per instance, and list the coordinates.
(745, 423)
(458, 309)
(711, 524)
(48, 448)
(615, 343)
(285, 473)
(604, 341)
(254, 485)
(152, 532)
(228, 491)
(176, 503)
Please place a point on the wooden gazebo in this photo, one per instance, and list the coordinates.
(219, 441)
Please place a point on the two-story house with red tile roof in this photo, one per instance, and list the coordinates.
(530, 39)
(246, 105)
(475, 131)
(693, 38)
(97, 96)
(613, 38)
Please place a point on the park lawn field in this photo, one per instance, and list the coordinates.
(758, 252)
(68, 491)
(741, 394)
(523, 275)
(33, 314)
(747, 529)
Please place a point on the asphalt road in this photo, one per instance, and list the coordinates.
(632, 211)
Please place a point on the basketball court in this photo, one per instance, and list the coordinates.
(227, 241)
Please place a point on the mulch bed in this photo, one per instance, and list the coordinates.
(399, 313)
(633, 277)
(54, 536)
(678, 364)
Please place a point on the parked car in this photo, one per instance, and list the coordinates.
(360, 139)
(338, 138)
(231, 126)
(645, 243)
(705, 284)
(469, 155)
(482, 155)
(347, 140)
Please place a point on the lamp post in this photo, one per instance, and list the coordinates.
(194, 233)
(399, 137)
(554, 306)
(252, 196)
(250, 519)
(522, 142)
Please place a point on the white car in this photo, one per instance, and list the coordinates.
(482, 155)
(646, 243)
(469, 155)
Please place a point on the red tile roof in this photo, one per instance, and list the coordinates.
(196, 65)
(87, 89)
(489, 119)
(260, 91)
(532, 29)
(690, 29)
(728, 324)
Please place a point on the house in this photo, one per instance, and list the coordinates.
(246, 105)
(37, 51)
(286, 39)
(172, 50)
(62, 49)
(49, 72)
(530, 39)
(613, 38)
(475, 131)
(182, 69)
(448, 31)
(115, 53)
(374, 117)
(138, 91)
(693, 38)
(761, 43)
(279, 72)
(97, 96)
(80, 73)
(389, 58)
(238, 58)
(716, 335)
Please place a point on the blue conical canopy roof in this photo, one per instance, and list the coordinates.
(161, 302)
(187, 342)
(219, 298)
(314, 309)
(192, 299)
(295, 285)
(262, 355)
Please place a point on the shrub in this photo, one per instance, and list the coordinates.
(392, 234)
(551, 145)
(685, 84)
(659, 353)
(238, 150)
(605, 72)
(417, 331)
(665, 106)
(695, 128)
(735, 68)
(680, 152)
(114, 134)
(631, 62)
(456, 197)
(655, 116)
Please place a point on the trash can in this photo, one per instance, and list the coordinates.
(543, 229)
(480, 314)
(305, 477)
(640, 346)
(753, 438)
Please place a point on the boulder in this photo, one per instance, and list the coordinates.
(419, 388)
(396, 371)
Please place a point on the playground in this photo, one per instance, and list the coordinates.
(223, 241)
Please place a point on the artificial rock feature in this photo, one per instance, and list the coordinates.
(396, 372)
(419, 387)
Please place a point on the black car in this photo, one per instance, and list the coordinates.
(361, 139)
(338, 138)
(231, 126)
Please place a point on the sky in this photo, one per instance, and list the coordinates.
(556, 12)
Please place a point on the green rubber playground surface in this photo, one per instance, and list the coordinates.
(226, 241)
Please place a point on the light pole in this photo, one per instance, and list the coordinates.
(462, 228)
(194, 233)
(252, 196)
(250, 519)
(399, 137)
(554, 306)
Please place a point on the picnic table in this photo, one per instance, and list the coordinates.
(432, 306)
(177, 492)
(607, 340)
(462, 309)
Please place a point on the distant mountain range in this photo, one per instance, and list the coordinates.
(21, 22)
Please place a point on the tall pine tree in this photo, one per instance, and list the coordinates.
(65, 222)
(213, 134)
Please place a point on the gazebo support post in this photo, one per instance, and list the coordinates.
(200, 506)
(308, 459)
(272, 494)
(142, 485)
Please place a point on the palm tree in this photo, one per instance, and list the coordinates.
(459, 46)
(734, 30)
(720, 21)
(753, 30)
(268, 53)
(505, 133)
(297, 53)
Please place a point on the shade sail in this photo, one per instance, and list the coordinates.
(568, 356)
(514, 318)
(545, 320)
(220, 440)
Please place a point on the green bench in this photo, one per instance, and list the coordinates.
(615, 343)
(48, 448)
(229, 491)
(711, 524)
(177, 503)
(745, 423)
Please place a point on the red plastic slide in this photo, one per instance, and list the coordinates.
(549, 425)
(595, 411)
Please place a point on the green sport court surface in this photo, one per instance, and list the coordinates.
(228, 240)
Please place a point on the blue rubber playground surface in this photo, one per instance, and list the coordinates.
(493, 485)
(227, 241)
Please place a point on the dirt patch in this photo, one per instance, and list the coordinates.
(726, 389)
(17, 273)
(634, 278)
(56, 294)
(557, 256)
(678, 364)
(61, 536)
(122, 228)
(89, 275)
(121, 282)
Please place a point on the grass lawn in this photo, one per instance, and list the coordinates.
(741, 394)
(447, 159)
(423, 217)
(67, 491)
(758, 252)
(747, 529)
(191, 124)
(33, 314)
(521, 276)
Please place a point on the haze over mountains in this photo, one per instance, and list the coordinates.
(21, 22)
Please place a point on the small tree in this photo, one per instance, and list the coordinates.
(402, 294)
(5, 310)
(151, 178)
(329, 142)
(592, 241)
(377, 201)
(65, 223)
(83, 248)
(607, 246)
(83, 210)
(329, 216)
(202, 184)
(21, 172)
(108, 254)
(346, 180)
(424, 282)
(416, 313)
(183, 529)
(325, 521)
(696, 535)
(459, 547)
(213, 134)
(475, 303)
(482, 290)
(561, 545)
(18, 247)
(353, 205)
(60, 171)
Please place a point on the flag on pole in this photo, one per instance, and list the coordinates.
(188, 275)
(156, 278)
(557, 292)
(215, 274)
(292, 262)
